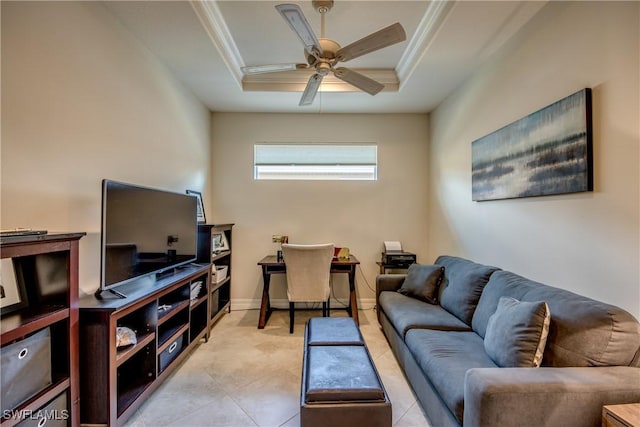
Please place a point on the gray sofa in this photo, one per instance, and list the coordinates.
(591, 357)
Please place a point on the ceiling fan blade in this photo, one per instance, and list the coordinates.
(358, 80)
(271, 68)
(310, 91)
(386, 37)
(298, 23)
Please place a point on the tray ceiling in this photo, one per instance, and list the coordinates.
(204, 44)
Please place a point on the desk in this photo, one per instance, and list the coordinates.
(270, 265)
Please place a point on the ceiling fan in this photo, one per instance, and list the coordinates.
(323, 54)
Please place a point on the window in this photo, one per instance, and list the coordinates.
(316, 161)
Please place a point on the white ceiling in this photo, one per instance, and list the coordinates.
(204, 44)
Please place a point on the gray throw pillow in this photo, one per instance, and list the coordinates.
(422, 282)
(517, 333)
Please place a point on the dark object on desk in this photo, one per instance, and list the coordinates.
(398, 259)
(341, 253)
(21, 232)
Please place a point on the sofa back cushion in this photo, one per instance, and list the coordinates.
(517, 333)
(462, 285)
(422, 282)
(582, 332)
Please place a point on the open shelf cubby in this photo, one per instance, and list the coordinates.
(215, 245)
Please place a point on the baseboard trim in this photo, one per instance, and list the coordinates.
(254, 304)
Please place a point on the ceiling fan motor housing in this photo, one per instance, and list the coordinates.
(322, 6)
(329, 49)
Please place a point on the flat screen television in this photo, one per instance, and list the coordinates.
(144, 231)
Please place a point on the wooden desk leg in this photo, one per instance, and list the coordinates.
(353, 301)
(265, 305)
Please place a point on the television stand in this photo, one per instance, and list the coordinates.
(167, 273)
(169, 316)
(115, 293)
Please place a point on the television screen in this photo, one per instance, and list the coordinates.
(144, 231)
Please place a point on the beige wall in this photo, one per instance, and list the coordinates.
(587, 243)
(82, 101)
(359, 215)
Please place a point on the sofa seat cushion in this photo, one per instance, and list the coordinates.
(582, 332)
(407, 313)
(445, 357)
(462, 285)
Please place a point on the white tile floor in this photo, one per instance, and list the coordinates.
(249, 377)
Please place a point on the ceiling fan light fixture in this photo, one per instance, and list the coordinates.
(323, 68)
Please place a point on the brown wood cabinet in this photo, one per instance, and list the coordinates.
(169, 317)
(43, 269)
(625, 415)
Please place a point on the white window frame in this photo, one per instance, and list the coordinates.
(315, 161)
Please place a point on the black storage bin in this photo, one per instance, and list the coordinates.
(53, 414)
(171, 352)
(25, 368)
(215, 302)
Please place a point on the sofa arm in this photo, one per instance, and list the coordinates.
(546, 396)
(388, 282)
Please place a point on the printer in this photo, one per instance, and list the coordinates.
(394, 257)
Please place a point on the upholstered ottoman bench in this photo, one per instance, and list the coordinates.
(340, 384)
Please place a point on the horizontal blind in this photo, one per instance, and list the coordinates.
(316, 161)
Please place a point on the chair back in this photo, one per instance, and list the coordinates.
(308, 271)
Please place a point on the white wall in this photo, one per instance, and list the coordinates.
(82, 100)
(359, 215)
(589, 242)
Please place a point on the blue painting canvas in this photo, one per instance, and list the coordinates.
(547, 152)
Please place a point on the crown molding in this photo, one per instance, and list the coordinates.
(521, 14)
(428, 27)
(214, 24)
(295, 81)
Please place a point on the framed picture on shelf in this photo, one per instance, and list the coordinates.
(201, 217)
(13, 295)
(219, 242)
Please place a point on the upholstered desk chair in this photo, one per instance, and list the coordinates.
(308, 274)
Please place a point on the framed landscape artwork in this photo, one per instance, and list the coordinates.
(547, 152)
